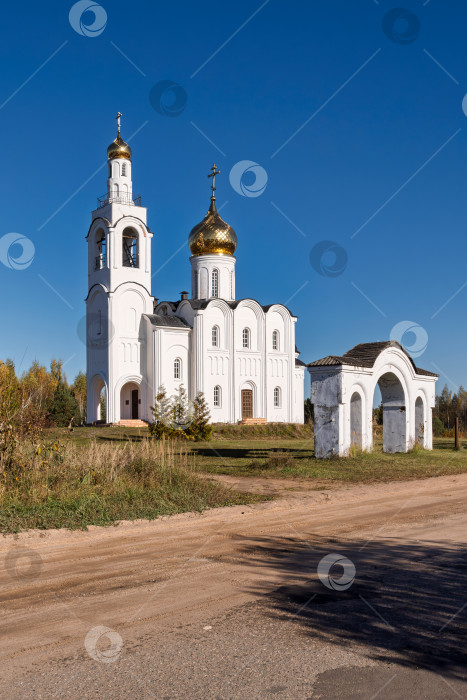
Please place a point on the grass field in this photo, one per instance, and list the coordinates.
(287, 451)
(102, 475)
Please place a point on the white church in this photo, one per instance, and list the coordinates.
(240, 354)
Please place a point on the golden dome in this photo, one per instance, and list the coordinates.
(212, 236)
(119, 149)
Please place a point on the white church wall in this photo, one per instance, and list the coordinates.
(217, 370)
(298, 395)
(175, 345)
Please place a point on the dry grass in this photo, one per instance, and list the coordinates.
(70, 485)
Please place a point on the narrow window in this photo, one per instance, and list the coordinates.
(130, 248)
(124, 169)
(215, 336)
(217, 396)
(177, 369)
(275, 340)
(246, 338)
(215, 283)
(277, 397)
(101, 251)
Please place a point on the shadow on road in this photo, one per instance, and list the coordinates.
(407, 603)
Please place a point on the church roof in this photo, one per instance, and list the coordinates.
(199, 304)
(365, 355)
(167, 321)
(299, 363)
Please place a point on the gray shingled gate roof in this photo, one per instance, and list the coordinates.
(365, 355)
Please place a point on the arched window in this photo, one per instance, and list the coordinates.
(101, 249)
(275, 340)
(246, 338)
(124, 169)
(130, 253)
(163, 310)
(277, 397)
(217, 396)
(215, 283)
(177, 368)
(215, 336)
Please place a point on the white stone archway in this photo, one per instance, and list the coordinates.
(342, 392)
(94, 390)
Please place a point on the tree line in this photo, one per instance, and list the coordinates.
(448, 406)
(41, 397)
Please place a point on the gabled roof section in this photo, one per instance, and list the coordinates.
(199, 304)
(167, 321)
(365, 355)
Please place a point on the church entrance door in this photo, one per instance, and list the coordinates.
(134, 403)
(247, 403)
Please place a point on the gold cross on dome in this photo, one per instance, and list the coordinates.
(213, 174)
(119, 114)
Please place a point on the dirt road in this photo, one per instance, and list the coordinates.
(229, 604)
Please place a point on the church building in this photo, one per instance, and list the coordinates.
(240, 354)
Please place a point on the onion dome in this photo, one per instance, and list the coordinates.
(119, 148)
(213, 236)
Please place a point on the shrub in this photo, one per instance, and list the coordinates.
(200, 429)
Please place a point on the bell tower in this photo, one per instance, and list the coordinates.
(119, 293)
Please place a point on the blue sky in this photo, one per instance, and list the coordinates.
(359, 131)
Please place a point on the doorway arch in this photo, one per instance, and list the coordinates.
(130, 401)
(356, 420)
(393, 400)
(97, 400)
(248, 401)
(419, 421)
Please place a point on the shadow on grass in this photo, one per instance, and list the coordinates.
(406, 605)
(252, 453)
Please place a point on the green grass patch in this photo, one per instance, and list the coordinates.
(295, 458)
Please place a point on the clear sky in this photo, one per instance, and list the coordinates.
(352, 112)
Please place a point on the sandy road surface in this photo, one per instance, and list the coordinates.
(228, 604)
